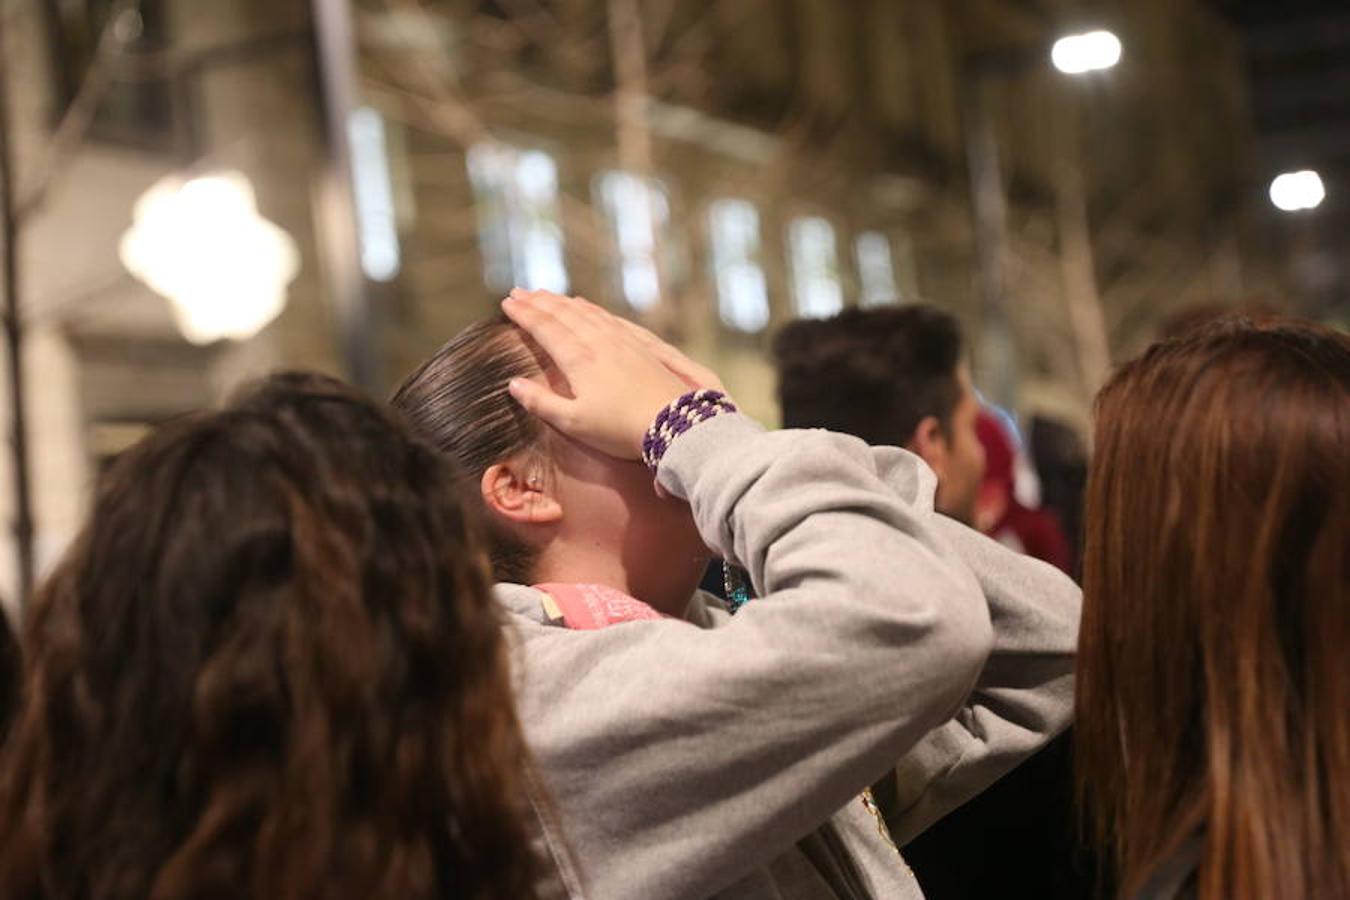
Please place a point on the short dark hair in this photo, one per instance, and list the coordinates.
(872, 373)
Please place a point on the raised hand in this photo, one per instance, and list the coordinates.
(620, 375)
(688, 371)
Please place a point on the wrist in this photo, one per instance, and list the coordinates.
(679, 416)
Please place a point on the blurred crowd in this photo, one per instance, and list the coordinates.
(452, 645)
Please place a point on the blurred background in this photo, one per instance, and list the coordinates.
(198, 191)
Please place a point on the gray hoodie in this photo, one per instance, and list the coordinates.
(724, 757)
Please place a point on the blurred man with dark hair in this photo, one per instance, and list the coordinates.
(898, 376)
(892, 376)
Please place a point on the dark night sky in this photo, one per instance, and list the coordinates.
(1298, 54)
(1298, 66)
(1258, 12)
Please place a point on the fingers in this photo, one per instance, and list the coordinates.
(689, 371)
(645, 337)
(591, 329)
(578, 313)
(557, 339)
(599, 322)
(615, 377)
(538, 400)
(599, 316)
(582, 318)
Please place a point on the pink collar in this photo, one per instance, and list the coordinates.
(589, 607)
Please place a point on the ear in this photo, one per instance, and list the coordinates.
(930, 442)
(516, 489)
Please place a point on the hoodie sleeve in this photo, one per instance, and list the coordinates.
(681, 759)
(1024, 695)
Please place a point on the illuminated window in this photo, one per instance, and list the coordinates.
(876, 269)
(814, 257)
(374, 191)
(742, 292)
(518, 220)
(639, 218)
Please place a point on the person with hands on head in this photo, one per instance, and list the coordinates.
(692, 753)
(590, 348)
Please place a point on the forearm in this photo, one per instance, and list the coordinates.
(1024, 695)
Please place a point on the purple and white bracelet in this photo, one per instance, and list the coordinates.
(682, 414)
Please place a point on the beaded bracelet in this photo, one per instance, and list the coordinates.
(682, 414)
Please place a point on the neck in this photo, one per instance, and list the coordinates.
(666, 587)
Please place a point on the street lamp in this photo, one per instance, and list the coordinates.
(334, 49)
(1093, 51)
(1074, 55)
(201, 243)
(1298, 191)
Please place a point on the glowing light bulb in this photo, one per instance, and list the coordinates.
(1093, 51)
(202, 244)
(1296, 191)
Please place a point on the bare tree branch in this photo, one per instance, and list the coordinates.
(74, 125)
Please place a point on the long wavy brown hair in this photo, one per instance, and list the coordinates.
(271, 667)
(1213, 704)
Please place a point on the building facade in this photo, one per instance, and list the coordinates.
(712, 169)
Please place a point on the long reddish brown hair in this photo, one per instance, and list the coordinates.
(1214, 661)
(271, 667)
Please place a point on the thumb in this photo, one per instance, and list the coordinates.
(539, 400)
